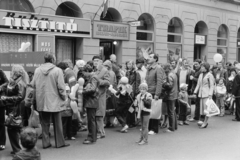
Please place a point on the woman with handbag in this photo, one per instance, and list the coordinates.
(14, 94)
(204, 89)
(3, 83)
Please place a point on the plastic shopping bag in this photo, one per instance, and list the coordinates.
(33, 120)
(212, 108)
(156, 109)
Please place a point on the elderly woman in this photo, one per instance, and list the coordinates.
(14, 94)
(134, 80)
(204, 88)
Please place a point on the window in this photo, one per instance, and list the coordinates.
(222, 41)
(16, 5)
(69, 9)
(174, 39)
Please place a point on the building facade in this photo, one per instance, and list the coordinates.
(131, 28)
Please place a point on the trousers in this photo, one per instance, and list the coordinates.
(2, 127)
(67, 126)
(145, 122)
(92, 126)
(172, 115)
(100, 125)
(45, 118)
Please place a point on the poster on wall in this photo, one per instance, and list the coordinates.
(174, 52)
(143, 47)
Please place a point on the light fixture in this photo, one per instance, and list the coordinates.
(115, 42)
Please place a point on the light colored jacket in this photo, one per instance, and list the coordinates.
(205, 85)
(139, 103)
(49, 85)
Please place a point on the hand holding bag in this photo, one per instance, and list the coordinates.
(13, 120)
(33, 120)
(212, 108)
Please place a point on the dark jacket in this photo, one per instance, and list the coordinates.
(91, 94)
(171, 86)
(236, 86)
(188, 81)
(196, 75)
(15, 92)
(134, 80)
(3, 80)
(154, 78)
(116, 70)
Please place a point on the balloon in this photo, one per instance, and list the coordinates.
(217, 57)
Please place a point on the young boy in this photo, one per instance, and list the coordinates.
(144, 100)
(28, 138)
(220, 92)
(183, 102)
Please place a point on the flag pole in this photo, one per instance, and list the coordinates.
(98, 11)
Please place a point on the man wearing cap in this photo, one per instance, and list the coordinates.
(236, 93)
(154, 78)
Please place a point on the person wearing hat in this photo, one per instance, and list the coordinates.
(183, 103)
(236, 93)
(204, 89)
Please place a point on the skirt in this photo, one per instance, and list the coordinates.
(203, 105)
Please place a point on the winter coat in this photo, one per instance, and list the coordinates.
(205, 85)
(154, 78)
(104, 82)
(134, 80)
(220, 90)
(49, 85)
(171, 85)
(14, 92)
(91, 94)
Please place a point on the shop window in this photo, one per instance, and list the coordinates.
(69, 9)
(16, 5)
(222, 41)
(145, 35)
(64, 49)
(174, 39)
(12, 42)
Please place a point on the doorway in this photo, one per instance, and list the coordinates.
(107, 49)
(65, 49)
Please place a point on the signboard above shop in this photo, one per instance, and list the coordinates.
(200, 39)
(110, 30)
(31, 23)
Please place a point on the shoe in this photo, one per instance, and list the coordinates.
(192, 120)
(204, 126)
(236, 120)
(140, 140)
(12, 153)
(200, 123)
(72, 138)
(151, 133)
(164, 125)
(124, 128)
(88, 142)
(185, 123)
(2, 147)
(100, 137)
(65, 145)
(140, 129)
(47, 146)
(143, 142)
(168, 131)
(180, 123)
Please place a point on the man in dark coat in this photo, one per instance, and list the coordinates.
(115, 67)
(236, 93)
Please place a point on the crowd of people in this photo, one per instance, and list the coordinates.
(95, 95)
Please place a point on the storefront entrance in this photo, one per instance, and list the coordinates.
(106, 49)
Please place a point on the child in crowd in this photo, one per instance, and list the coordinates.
(28, 138)
(144, 100)
(183, 102)
(124, 102)
(220, 92)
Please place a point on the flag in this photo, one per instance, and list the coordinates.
(105, 7)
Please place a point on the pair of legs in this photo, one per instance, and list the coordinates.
(100, 126)
(172, 115)
(92, 126)
(67, 127)
(183, 113)
(2, 128)
(144, 132)
(220, 104)
(154, 125)
(45, 118)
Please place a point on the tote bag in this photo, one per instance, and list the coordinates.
(156, 109)
(212, 109)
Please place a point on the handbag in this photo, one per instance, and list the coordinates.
(13, 120)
